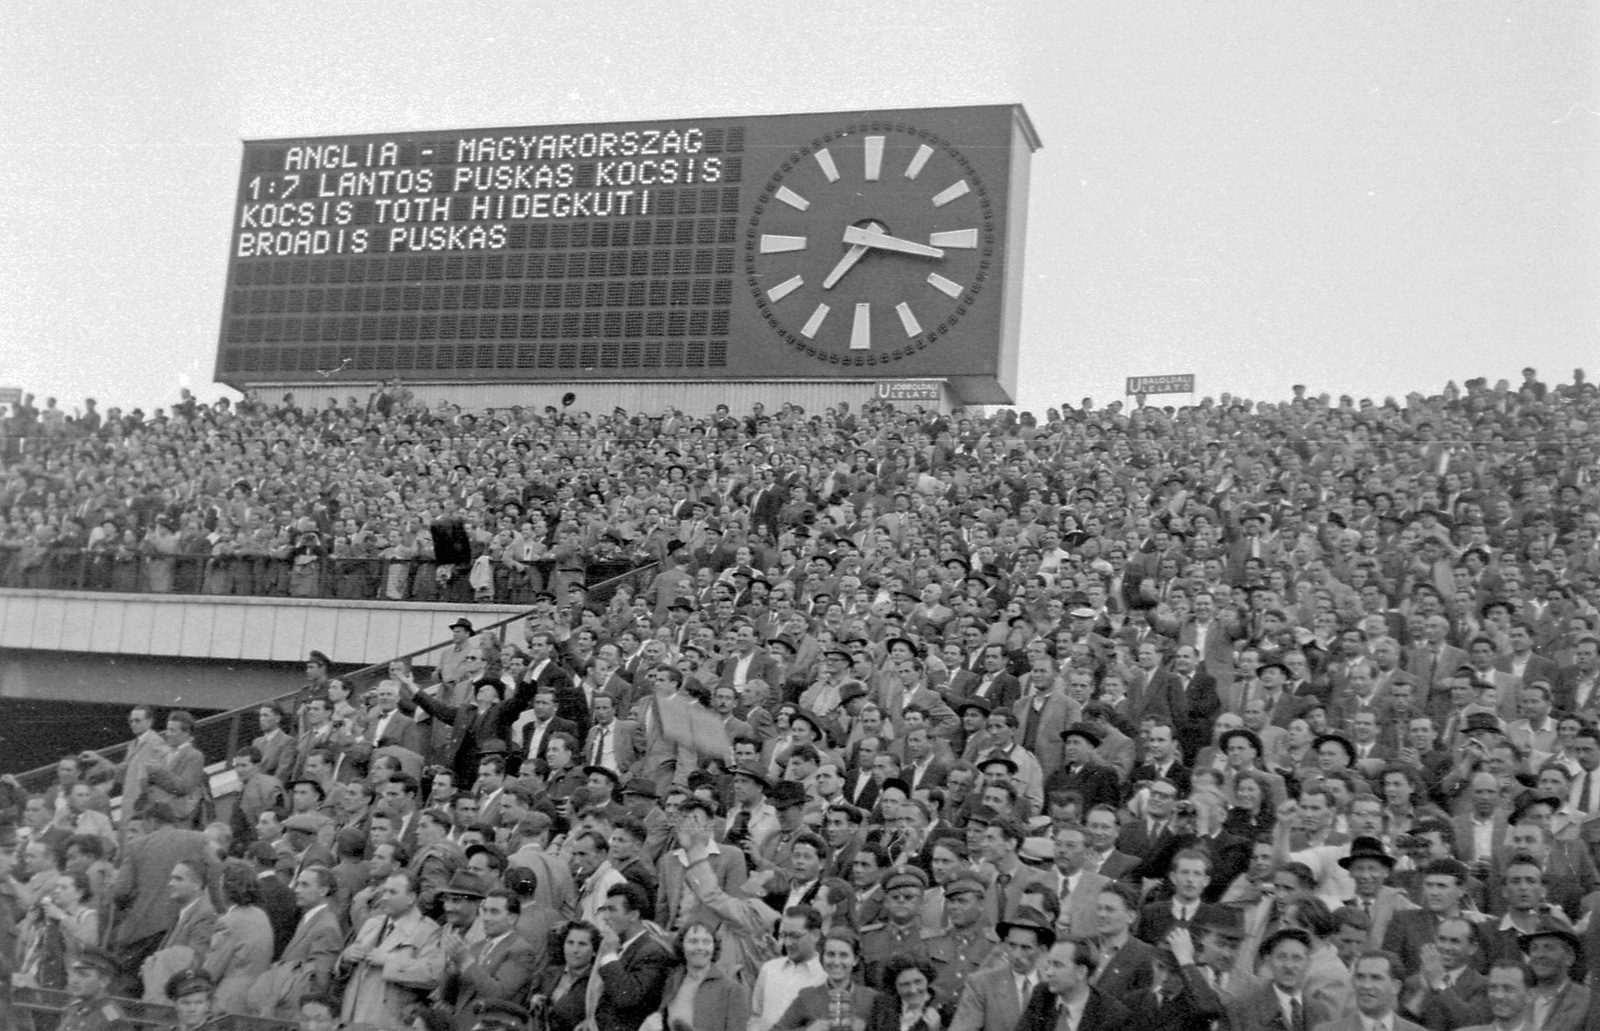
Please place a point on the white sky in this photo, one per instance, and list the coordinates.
(1369, 198)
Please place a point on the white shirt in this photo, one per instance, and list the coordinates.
(777, 985)
(741, 671)
(1285, 1000)
(1482, 837)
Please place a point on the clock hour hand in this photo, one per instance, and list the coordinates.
(869, 238)
(846, 263)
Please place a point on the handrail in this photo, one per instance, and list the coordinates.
(200, 574)
(210, 729)
(142, 1015)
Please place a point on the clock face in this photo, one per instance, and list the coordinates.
(870, 244)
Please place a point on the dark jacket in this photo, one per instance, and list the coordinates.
(1101, 1013)
(633, 984)
(720, 1004)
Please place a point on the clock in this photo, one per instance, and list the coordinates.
(870, 244)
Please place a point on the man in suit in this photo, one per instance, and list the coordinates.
(1194, 700)
(1448, 992)
(1116, 749)
(1444, 883)
(187, 941)
(921, 766)
(1102, 826)
(1081, 771)
(1433, 660)
(1369, 866)
(306, 965)
(179, 779)
(1077, 888)
(1552, 950)
(1067, 996)
(1377, 977)
(1125, 963)
(1523, 662)
(993, 1000)
(531, 732)
(1281, 1004)
(277, 748)
(1161, 761)
(748, 661)
(995, 686)
(145, 752)
(1046, 709)
(1190, 873)
(387, 726)
(498, 966)
(613, 744)
(1510, 1006)
(145, 910)
(632, 965)
(1001, 840)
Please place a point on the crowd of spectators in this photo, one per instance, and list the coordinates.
(1278, 714)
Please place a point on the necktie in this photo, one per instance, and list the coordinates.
(599, 747)
(741, 827)
(1297, 1015)
(1586, 803)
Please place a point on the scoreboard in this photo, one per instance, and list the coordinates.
(860, 245)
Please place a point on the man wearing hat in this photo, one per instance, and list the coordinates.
(967, 943)
(453, 659)
(191, 993)
(994, 998)
(1082, 771)
(789, 799)
(89, 980)
(751, 820)
(901, 933)
(1369, 867)
(1558, 1004)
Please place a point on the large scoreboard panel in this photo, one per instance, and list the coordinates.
(854, 245)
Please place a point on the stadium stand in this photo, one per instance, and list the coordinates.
(899, 685)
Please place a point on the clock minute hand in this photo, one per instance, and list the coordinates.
(867, 238)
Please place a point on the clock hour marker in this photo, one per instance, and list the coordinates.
(814, 323)
(950, 193)
(907, 319)
(785, 288)
(918, 159)
(944, 285)
(794, 200)
(954, 238)
(773, 244)
(829, 169)
(874, 158)
(861, 331)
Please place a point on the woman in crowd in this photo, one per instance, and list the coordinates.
(839, 1002)
(241, 946)
(1252, 811)
(912, 1004)
(699, 994)
(559, 994)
